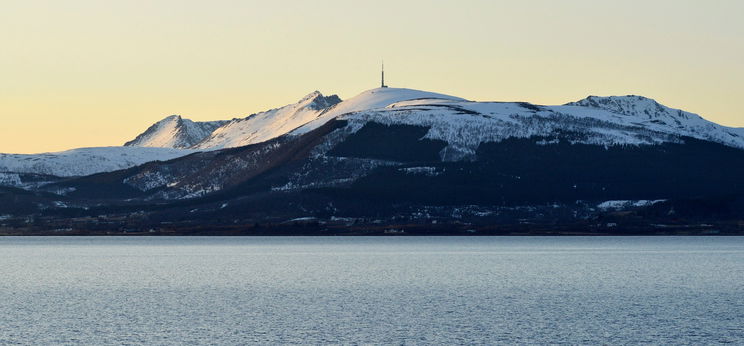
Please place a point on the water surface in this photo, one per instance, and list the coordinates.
(392, 290)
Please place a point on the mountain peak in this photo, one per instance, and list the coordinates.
(311, 95)
(172, 117)
(605, 102)
(633, 105)
(174, 132)
(262, 126)
(316, 101)
(376, 98)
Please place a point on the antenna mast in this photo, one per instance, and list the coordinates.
(382, 83)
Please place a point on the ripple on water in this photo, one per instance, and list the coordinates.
(301, 290)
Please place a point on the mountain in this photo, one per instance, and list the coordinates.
(270, 124)
(85, 161)
(169, 138)
(389, 127)
(373, 99)
(650, 114)
(405, 158)
(175, 132)
(309, 113)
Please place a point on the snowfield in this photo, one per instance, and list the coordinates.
(86, 161)
(463, 124)
(370, 100)
(263, 126)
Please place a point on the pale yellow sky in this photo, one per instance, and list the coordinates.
(80, 73)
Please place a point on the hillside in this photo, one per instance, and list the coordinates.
(86, 161)
(263, 126)
(400, 156)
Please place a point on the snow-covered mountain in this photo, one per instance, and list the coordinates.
(648, 113)
(270, 124)
(392, 127)
(413, 157)
(307, 114)
(614, 120)
(374, 99)
(463, 125)
(175, 132)
(86, 161)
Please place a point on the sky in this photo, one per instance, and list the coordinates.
(80, 73)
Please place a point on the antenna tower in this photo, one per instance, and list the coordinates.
(382, 83)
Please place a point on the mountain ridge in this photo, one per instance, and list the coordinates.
(86, 161)
(463, 124)
(266, 125)
(399, 124)
(409, 158)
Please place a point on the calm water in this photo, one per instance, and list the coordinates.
(371, 290)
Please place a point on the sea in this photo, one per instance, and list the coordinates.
(371, 290)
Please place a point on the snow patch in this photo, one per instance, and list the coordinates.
(624, 204)
(10, 179)
(425, 171)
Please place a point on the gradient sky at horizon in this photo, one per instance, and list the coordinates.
(81, 73)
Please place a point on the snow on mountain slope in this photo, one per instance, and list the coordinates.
(175, 132)
(340, 152)
(648, 113)
(615, 120)
(86, 161)
(370, 100)
(263, 126)
(309, 113)
(465, 125)
(26, 181)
